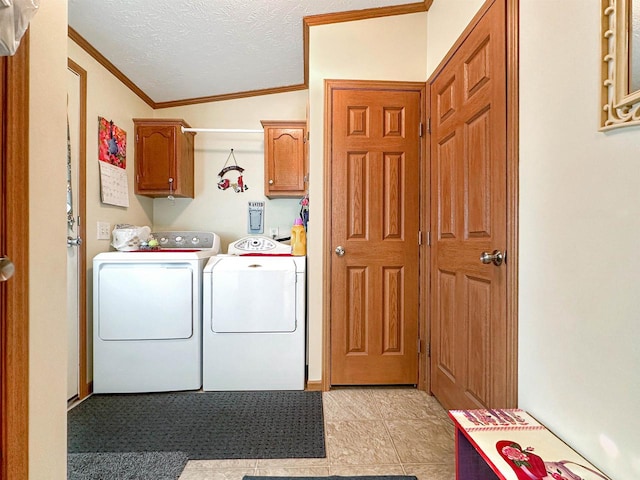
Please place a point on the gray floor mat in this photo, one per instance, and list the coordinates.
(126, 466)
(204, 425)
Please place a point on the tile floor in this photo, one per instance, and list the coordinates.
(377, 431)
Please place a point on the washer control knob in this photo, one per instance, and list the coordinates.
(195, 240)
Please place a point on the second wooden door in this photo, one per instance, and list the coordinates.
(375, 194)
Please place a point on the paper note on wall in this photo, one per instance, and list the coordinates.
(114, 188)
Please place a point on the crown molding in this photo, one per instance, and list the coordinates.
(104, 61)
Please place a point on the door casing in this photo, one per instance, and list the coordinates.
(14, 235)
(83, 384)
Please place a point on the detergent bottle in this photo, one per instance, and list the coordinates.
(298, 239)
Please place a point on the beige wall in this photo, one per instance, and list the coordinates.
(390, 48)
(579, 258)
(224, 211)
(446, 20)
(47, 242)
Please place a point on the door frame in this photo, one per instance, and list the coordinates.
(512, 45)
(424, 209)
(84, 388)
(513, 175)
(14, 312)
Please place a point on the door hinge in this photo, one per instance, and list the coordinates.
(427, 348)
(428, 238)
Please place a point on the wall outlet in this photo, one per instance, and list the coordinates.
(104, 231)
(273, 232)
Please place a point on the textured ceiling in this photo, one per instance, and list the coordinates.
(176, 50)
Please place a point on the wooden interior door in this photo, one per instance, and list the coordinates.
(469, 360)
(374, 196)
(14, 235)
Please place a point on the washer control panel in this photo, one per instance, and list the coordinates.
(258, 244)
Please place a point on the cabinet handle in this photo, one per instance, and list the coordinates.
(270, 182)
(170, 196)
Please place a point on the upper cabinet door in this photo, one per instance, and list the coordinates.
(285, 158)
(164, 158)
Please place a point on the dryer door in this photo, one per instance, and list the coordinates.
(254, 294)
(145, 301)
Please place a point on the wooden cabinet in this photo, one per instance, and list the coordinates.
(285, 158)
(164, 158)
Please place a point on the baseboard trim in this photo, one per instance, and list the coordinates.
(314, 386)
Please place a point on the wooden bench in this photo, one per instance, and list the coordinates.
(511, 445)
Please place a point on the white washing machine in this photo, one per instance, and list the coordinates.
(147, 315)
(254, 311)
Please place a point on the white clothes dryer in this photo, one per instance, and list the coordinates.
(254, 311)
(147, 315)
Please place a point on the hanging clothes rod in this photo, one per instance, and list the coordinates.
(220, 130)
